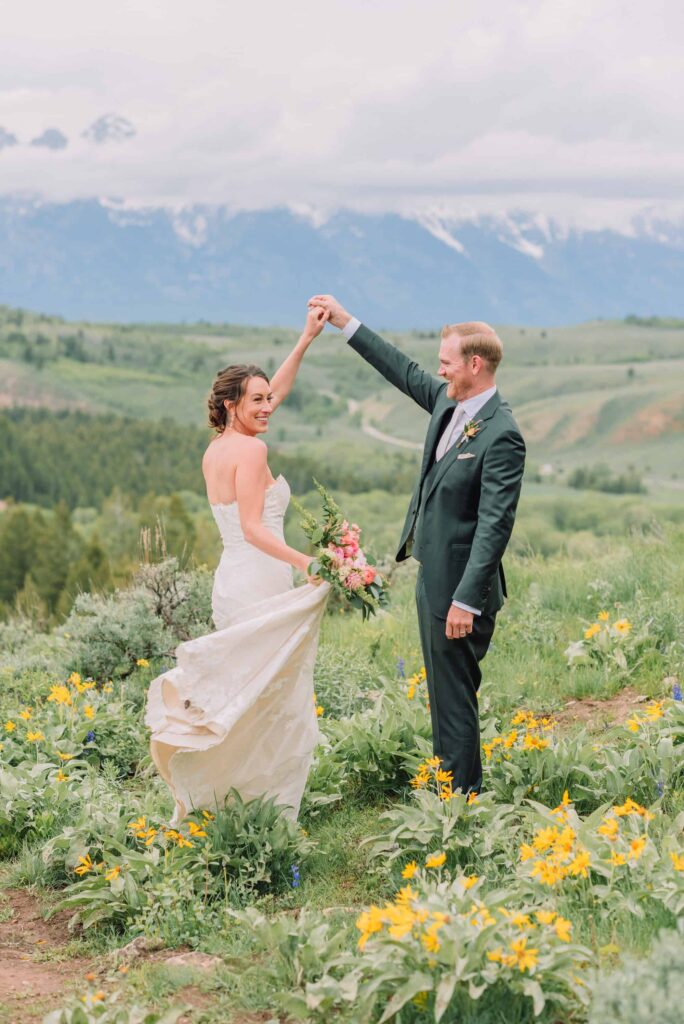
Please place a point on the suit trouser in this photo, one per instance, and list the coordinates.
(453, 679)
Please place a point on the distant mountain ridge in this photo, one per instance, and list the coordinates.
(101, 260)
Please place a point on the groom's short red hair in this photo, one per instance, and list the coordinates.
(477, 339)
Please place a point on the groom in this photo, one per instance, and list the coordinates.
(459, 520)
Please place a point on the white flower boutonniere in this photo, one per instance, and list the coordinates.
(471, 429)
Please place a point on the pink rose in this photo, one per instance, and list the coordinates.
(369, 575)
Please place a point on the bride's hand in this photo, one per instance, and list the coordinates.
(316, 319)
(303, 564)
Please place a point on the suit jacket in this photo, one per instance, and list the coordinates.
(465, 508)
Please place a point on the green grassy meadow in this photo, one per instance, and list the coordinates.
(556, 896)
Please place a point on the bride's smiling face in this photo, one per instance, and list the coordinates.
(253, 411)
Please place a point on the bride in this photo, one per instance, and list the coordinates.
(237, 711)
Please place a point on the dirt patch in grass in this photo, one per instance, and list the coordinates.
(31, 985)
(597, 713)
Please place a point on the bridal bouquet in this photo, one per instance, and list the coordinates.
(339, 558)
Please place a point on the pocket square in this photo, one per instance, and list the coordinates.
(466, 455)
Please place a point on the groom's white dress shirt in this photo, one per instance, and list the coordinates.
(464, 412)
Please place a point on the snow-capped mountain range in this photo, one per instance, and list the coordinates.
(108, 128)
(101, 259)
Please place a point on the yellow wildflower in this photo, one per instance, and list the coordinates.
(61, 776)
(527, 852)
(410, 870)
(592, 631)
(113, 873)
(580, 864)
(495, 955)
(411, 691)
(633, 724)
(196, 830)
(74, 679)
(400, 919)
(208, 816)
(610, 829)
(523, 958)
(534, 743)
(468, 883)
(433, 762)
(138, 825)
(142, 663)
(65, 757)
(472, 798)
(405, 896)
(442, 776)
(435, 860)
(60, 695)
(546, 916)
(522, 921)
(547, 873)
(631, 807)
(89, 711)
(563, 928)
(636, 848)
(9, 726)
(617, 859)
(85, 864)
(545, 838)
(183, 842)
(430, 941)
(108, 687)
(26, 714)
(622, 626)
(603, 616)
(654, 711)
(510, 739)
(35, 737)
(677, 861)
(519, 717)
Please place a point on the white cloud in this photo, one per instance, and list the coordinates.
(377, 104)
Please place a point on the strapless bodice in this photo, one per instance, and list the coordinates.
(245, 574)
(227, 517)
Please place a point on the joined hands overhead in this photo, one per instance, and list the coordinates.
(337, 314)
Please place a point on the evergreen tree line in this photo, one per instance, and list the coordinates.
(47, 559)
(79, 459)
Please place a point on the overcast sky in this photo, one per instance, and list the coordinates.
(375, 104)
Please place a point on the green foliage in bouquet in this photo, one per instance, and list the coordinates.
(339, 558)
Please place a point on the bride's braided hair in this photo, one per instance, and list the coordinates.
(229, 386)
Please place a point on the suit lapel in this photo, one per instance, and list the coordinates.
(437, 424)
(485, 413)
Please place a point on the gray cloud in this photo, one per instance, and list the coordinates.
(382, 104)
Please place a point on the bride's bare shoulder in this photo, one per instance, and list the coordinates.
(237, 448)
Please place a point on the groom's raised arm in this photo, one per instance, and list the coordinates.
(395, 367)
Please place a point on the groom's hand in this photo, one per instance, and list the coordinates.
(459, 623)
(337, 314)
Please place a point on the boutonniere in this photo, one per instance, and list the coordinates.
(471, 429)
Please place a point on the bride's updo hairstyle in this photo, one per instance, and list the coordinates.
(229, 386)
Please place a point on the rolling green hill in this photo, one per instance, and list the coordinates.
(609, 392)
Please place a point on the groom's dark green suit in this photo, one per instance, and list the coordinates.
(458, 525)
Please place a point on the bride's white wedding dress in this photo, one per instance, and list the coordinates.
(237, 711)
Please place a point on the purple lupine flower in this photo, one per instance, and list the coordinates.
(676, 692)
(295, 876)
(90, 737)
(401, 668)
(660, 786)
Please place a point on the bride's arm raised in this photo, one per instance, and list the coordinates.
(250, 492)
(284, 377)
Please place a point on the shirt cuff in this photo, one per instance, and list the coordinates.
(467, 608)
(351, 327)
